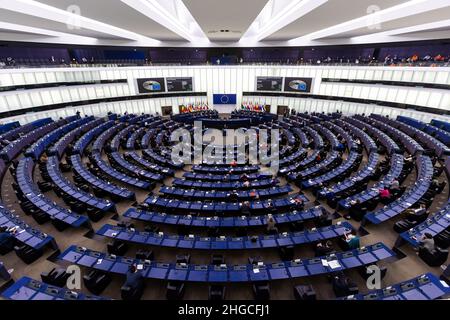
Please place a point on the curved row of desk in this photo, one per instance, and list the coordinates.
(222, 242)
(225, 207)
(223, 273)
(241, 195)
(29, 289)
(423, 287)
(409, 197)
(223, 222)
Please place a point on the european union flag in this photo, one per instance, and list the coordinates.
(225, 98)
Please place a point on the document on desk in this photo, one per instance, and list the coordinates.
(324, 263)
(334, 264)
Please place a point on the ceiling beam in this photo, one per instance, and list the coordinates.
(270, 20)
(376, 37)
(40, 31)
(176, 18)
(369, 21)
(43, 11)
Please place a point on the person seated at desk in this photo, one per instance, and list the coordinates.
(43, 158)
(408, 162)
(135, 279)
(254, 195)
(438, 186)
(270, 206)
(426, 242)
(5, 274)
(244, 177)
(395, 185)
(70, 148)
(245, 208)
(233, 164)
(4, 143)
(7, 240)
(246, 184)
(385, 162)
(357, 210)
(318, 158)
(341, 145)
(385, 194)
(413, 213)
(323, 249)
(299, 204)
(273, 182)
(233, 196)
(352, 240)
(409, 158)
(6, 233)
(325, 219)
(271, 228)
(342, 284)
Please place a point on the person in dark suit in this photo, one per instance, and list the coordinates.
(233, 196)
(135, 279)
(244, 177)
(5, 235)
(323, 249)
(324, 219)
(273, 182)
(299, 204)
(4, 143)
(341, 284)
(245, 208)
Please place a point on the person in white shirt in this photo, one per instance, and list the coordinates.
(395, 185)
(271, 224)
(427, 242)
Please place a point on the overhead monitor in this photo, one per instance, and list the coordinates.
(269, 83)
(179, 84)
(151, 85)
(297, 84)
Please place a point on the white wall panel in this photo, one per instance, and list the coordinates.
(228, 79)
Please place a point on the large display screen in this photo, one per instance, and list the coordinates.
(151, 85)
(297, 84)
(269, 83)
(179, 84)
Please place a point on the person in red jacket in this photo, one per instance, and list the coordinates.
(385, 193)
